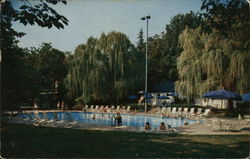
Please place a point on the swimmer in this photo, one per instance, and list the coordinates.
(186, 122)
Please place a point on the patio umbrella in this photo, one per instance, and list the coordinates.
(163, 97)
(246, 97)
(132, 97)
(148, 95)
(222, 94)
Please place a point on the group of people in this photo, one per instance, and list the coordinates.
(162, 126)
(60, 105)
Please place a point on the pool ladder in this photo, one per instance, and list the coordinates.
(112, 120)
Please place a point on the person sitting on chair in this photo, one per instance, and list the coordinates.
(118, 119)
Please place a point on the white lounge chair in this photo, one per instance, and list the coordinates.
(128, 109)
(205, 114)
(163, 109)
(86, 106)
(199, 111)
(96, 109)
(185, 112)
(56, 121)
(38, 119)
(101, 108)
(29, 119)
(48, 122)
(179, 111)
(191, 113)
(69, 122)
(168, 111)
(118, 108)
(173, 111)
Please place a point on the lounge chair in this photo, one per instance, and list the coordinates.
(101, 109)
(199, 111)
(107, 109)
(163, 109)
(128, 109)
(205, 114)
(56, 121)
(69, 122)
(38, 119)
(185, 112)
(112, 109)
(48, 122)
(168, 111)
(173, 111)
(91, 108)
(96, 109)
(191, 113)
(28, 119)
(179, 111)
(20, 119)
(117, 108)
(123, 108)
(86, 106)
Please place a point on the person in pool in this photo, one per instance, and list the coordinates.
(118, 119)
(147, 126)
(93, 117)
(162, 126)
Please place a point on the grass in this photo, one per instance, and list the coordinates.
(20, 141)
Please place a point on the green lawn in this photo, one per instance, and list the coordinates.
(19, 141)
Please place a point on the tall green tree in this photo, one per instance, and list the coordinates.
(216, 55)
(209, 62)
(165, 48)
(107, 69)
(52, 64)
(140, 43)
(17, 74)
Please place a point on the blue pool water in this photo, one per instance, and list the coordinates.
(127, 120)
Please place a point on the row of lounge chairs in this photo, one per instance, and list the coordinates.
(37, 120)
(184, 112)
(107, 108)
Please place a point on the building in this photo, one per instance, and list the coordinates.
(162, 89)
(215, 103)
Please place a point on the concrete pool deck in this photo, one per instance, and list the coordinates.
(199, 128)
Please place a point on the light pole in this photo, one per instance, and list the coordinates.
(146, 65)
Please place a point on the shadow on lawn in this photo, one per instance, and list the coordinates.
(25, 141)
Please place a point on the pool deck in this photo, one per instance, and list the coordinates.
(199, 128)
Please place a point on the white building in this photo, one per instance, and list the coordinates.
(215, 103)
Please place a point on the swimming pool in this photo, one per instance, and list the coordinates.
(127, 120)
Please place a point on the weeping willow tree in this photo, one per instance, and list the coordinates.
(105, 69)
(210, 61)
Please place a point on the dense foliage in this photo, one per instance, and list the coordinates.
(21, 78)
(213, 58)
(201, 51)
(107, 69)
(164, 49)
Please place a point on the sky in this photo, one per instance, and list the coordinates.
(92, 17)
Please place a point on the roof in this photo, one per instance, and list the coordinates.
(167, 86)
